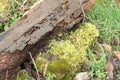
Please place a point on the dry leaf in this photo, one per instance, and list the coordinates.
(107, 47)
(109, 69)
(117, 54)
(118, 2)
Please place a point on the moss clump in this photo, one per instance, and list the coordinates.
(70, 53)
(73, 49)
(59, 67)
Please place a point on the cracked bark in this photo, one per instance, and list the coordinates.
(29, 34)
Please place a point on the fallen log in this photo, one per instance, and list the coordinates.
(29, 34)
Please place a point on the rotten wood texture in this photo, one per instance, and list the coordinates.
(44, 20)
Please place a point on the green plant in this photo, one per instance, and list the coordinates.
(106, 15)
(97, 65)
(10, 11)
(50, 76)
(23, 75)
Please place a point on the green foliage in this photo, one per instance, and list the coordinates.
(10, 12)
(97, 65)
(23, 75)
(50, 76)
(106, 15)
(4, 7)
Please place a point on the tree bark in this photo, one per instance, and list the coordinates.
(29, 34)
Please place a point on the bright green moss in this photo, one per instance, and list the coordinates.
(73, 49)
(65, 50)
(70, 52)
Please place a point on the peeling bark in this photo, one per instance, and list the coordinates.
(29, 34)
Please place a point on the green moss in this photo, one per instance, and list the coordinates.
(66, 50)
(70, 52)
(59, 67)
(73, 49)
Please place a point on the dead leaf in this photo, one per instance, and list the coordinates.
(109, 69)
(117, 54)
(118, 2)
(107, 47)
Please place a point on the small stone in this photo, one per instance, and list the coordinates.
(82, 76)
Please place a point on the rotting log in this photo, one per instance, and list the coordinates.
(29, 34)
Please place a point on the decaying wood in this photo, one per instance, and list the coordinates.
(44, 20)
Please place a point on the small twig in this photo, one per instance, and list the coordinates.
(34, 65)
(82, 10)
(23, 7)
(6, 75)
(45, 69)
(24, 2)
